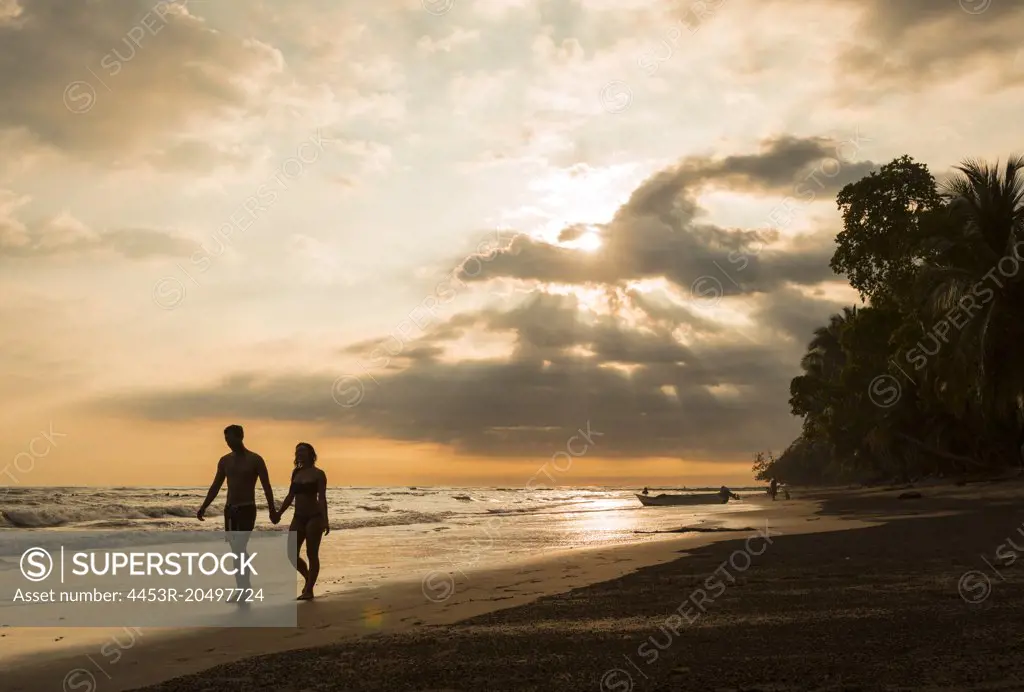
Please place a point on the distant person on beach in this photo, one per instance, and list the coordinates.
(646, 492)
(309, 523)
(773, 489)
(727, 494)
(241, 468)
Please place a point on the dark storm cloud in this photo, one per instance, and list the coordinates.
(670, 314)
(795, 315)
(659, 231)
(528, 403)
(118, 76)
(910, 44)
(776, 168)
(571, 233)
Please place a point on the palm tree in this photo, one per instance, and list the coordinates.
(825, 357)
(978, 277)
(811, 392)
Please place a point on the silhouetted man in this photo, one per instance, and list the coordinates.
(240, 468)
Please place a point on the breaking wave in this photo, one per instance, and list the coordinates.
(401, 518)
(23, 518)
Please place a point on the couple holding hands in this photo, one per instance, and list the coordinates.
(308, 491)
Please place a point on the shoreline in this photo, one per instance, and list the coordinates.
(117, 659)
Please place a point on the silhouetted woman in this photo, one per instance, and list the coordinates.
(309, 491)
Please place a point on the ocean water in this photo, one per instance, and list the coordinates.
(387, 534)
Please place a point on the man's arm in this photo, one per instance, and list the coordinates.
(218, 481)
(268, 490)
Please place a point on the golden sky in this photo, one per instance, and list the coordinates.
(436, 238)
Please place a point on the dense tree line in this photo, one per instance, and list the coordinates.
(926, 378)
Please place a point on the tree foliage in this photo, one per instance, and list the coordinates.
(885, 217)
(928, 377)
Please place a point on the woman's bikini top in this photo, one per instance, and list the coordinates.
(306, 488)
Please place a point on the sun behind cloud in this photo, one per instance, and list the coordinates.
(580, 237)
(590, 242)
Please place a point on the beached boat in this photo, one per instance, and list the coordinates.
(694, 499)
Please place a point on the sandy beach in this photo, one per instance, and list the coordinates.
(842, 591)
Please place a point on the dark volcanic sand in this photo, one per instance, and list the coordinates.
(863, 609)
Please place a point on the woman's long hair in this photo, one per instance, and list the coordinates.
(312, 457)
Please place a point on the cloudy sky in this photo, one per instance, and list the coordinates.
(438, 238)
